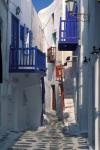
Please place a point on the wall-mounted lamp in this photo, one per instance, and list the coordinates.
(86, 60)
(18, 10)
(95, 51)
(71, 5)
(65, 64)
(68, 58)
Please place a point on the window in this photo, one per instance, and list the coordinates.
(53, 18)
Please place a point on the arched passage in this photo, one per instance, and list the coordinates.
(0, 51)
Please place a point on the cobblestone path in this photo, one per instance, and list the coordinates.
(51, 137)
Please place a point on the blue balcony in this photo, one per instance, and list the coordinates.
(24, 60)
(68, 37)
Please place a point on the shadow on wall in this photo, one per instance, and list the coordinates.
(50, 71)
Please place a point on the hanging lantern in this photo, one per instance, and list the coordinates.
(70, 5)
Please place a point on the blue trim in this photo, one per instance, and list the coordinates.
(27, 60)
(68, 31)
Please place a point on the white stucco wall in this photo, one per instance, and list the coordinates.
(3, 86)
(83, 78)
(49, 27)
(30, 18)
(94, 79)
(20, 94)
(89, 79)
(25, 103)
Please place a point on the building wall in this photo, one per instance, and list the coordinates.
(3, 85)
(89, 73)
(33, 22)
(49, 26)
(25, 93)
(94, 77)
(83, 68)
(28, 18)
(20, 94)
(26, 102)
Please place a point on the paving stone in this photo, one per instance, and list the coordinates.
(54, 137)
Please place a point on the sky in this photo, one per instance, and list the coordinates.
(40, 4)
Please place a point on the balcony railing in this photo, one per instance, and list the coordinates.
(68, 37)
(27, 60)
(51, 55)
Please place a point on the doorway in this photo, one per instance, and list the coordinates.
(0, 52)
(53, 97)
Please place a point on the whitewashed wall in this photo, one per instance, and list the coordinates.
(83, 78)
(3, 86)
(30, 18)
(94, 76)
(24, 94)
(49, 27)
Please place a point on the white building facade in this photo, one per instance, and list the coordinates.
(55, 95)
(88, 81)
(3, 66)
(22, 108)
(86, 96)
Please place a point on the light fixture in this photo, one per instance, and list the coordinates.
(86, 60)
(65, 64)
(68, 58)
(18, 10)
(70, 5)
(95, 51)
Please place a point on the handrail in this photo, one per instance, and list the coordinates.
(27, 58)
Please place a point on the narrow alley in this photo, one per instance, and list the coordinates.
(53, 135)
(49, 75)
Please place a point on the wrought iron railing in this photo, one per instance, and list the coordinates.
(68, 31)
(27, 59)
